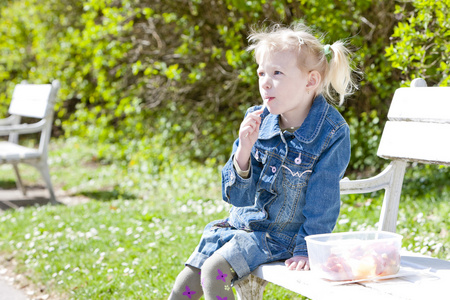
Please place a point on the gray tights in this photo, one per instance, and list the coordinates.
(213, 281)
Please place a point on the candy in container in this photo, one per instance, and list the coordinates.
(354, 255)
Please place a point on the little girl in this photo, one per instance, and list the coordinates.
(282, 179)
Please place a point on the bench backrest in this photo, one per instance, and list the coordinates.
(419, 126)
(417, 130)
(31, 100)
(34, 101)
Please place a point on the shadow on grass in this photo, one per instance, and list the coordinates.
(8, 184)
(18, 203)
(12, 198)
(107, 195)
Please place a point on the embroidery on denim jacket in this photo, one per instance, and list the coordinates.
(298, 174)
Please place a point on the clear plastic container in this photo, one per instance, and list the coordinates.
(354, 255)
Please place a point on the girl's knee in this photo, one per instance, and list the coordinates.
(216, 278)
(217, 268)
(187, 284)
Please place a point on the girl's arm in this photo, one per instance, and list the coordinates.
(248, 135)
(237, 190)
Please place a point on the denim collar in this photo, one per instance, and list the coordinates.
(310, 128)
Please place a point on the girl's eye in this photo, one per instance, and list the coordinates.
(261, 74)
(277, 73)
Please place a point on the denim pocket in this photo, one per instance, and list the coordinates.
(297, 169)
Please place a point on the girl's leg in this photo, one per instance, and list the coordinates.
(187, 285)
(216, 278)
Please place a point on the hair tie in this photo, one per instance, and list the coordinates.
(327, 52)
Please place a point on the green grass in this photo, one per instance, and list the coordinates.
(132, 239)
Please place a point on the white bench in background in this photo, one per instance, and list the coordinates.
(35, 101)
(418, 130)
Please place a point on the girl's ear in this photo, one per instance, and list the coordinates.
(314, 79)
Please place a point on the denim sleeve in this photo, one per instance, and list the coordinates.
(323, 199)
(236, 190)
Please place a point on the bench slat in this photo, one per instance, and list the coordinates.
(420, 282)
(306, 284)
(431, 104)
(414, 141)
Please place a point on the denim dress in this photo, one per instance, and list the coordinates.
(292, 191)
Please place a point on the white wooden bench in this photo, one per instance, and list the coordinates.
(418, 130)
(34, 101)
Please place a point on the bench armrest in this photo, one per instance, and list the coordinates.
(372, 184)
(8, 121)
(22, 128)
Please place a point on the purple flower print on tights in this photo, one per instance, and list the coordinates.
(221, 275)
(189, 292)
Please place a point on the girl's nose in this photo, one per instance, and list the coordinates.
(266, 83)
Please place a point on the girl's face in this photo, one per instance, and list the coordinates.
(284, 87)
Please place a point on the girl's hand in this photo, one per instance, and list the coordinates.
(249, 130)
(248, 134)
(298, 263)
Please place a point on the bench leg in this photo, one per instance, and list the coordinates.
(19, 183)
(46, 175)
(250, 288)
(42, 167)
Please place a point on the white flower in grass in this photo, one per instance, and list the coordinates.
(91, 233)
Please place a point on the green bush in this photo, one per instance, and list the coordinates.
(161, 81)
(421, 45)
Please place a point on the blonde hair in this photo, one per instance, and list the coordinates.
(331, 61)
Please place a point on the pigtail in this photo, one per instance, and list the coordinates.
(339, 71)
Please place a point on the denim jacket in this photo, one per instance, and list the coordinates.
(293, 187)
